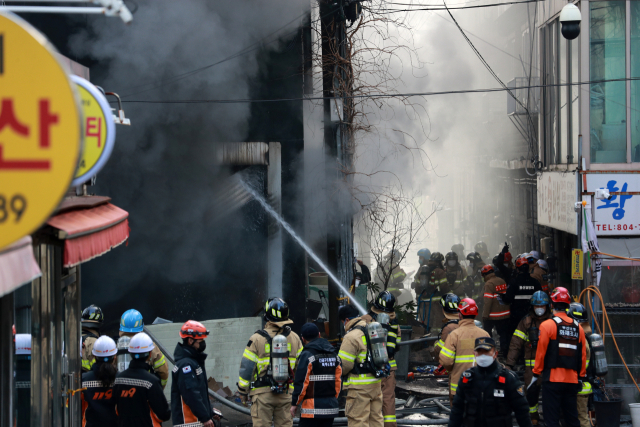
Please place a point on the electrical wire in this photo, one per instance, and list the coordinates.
(479, 6)
(380, 95)
(587, 292)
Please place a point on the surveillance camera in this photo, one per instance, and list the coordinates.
(603, 193)
(570, 18)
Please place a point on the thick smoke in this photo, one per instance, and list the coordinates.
(187, 253)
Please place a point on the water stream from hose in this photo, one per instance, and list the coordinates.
(267, 207)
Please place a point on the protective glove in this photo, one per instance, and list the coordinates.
(244, 398)
(505, 248)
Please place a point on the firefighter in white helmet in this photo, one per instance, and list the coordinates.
(98, 400)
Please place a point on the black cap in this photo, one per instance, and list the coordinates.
(485, 343)
(310, 331)
(348, 312)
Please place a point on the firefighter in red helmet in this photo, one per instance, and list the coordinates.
(561, 363)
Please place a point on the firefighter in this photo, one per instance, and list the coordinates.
(391, 269)
(98, 401)
(91, 320)
(475, 284)
(539, 270)
(131, 323)
(503, 264)
(481, 248)
(488, 393)
(578, 312)
(364, 389)
(423, 258)
(561, 361)
(458, 248)
(525, 338)
(22, 375)
(140, 400)
(433, 283)
(457, 354)
(271, 400)
(455, 274)
(189, 397)
(519, 293)
(449, 304)
(494, 313)
(384, 303)
(318, 380)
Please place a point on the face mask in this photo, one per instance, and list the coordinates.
(451, 263)
(506, 264)
(539, 311)
(202, 347)
(484, 360)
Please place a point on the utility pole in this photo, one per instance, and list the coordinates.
(336, 143)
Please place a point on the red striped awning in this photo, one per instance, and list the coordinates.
(89, 233)
(18, 266)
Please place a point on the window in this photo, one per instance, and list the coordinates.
(608, 99)
(635, 85)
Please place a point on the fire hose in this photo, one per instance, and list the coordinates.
(246, 411)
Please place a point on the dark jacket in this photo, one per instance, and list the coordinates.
(519, 293)
(317, 380)
(139, 397)
(98, 402)
(487, 396)
(189, 396)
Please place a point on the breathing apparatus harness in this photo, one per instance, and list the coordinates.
(368, 367)
(267, 380)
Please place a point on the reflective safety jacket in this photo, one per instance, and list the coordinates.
(257, 357)
(318, 380)
(456, 278)
(526, 337)
(475, 285)
(140, 400)
(98, 403)
(586, 385)
(487, 396)
(396, 277)
(157, 362)
(189, 397)
(562, 354)
(457, 354)
(541, 276)
(493, 309)
(89, 337)
(449, 327)
(519, 293)
(352, 350)
(393, 333)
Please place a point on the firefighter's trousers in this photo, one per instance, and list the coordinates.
(364, 407)
(271, 409)
(389, 400)
(533, 410)
(583, 410)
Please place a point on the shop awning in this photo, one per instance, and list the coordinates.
(17, 266)
(89, 233)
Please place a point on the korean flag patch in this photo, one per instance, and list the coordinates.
(186, 369)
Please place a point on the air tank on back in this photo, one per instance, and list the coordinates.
(378, 340)
(600, 359)
(123, 357)
(383, 318)
(280, 359)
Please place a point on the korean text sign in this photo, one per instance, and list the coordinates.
(619, 215)
(40, 129)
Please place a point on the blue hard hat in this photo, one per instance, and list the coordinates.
(424, 253)
(131, 321)
(540, 298)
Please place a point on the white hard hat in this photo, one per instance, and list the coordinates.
(535, 254)
(141, 343)
(543, 264)
(23, 343)
(104, 347)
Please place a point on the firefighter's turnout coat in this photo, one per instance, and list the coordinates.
(492, 308)
(189, 397)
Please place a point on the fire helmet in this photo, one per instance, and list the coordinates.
(539, 298)
(451, 256)
(276, 310)
(104, 348)
(436, 257)
(578, 312)
(508, 257)
(140, 346)
(468, 307)
(424, 253)
(131, 321)
(561, 294)
(487, 269)
(535, 255)
(193, 329)
(450, 303)
(92, 317)
(395, 254)
(521, 262)
(474, 258)
(530, 258)
(543, 264)
(481, 247)
(385, 301)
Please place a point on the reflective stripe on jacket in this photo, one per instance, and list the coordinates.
(448, 328)
(393, 334)
(158, 362)
(520, 339)
(352, 350)
(492, 309)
